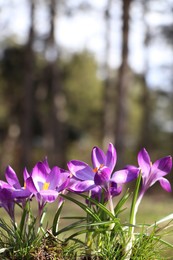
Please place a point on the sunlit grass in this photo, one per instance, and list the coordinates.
(151, 210)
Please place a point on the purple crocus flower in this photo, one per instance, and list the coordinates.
(46, 183)
(153, 172)
(6, 198)
(19, 192)
(101, 175)
(11, 192)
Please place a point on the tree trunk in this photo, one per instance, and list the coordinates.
(57, 121)
(122, 86)
(144, 139)
(109, 110)
(28, 95)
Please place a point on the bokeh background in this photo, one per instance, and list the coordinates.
(75, 74)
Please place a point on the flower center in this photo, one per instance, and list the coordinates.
(46, 185)
(98, 168)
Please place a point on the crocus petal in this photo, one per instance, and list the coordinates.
(7, 202)
(12, 178)
(25, 174)
(81, 186)
(165, 184)
(98, 157)
(115, 192)
(64, 175)
(39, 173)
(96, 194)
(163, 166)
(144, 162)
(46, 165)
(111, 157)
(47, 195)
(5, 185)
(159, 169)
(114, 189)
(81, 170)
(125, 175)
(6, 194)
(96, 189)
(53, 178)
(131, 167)
(102, 176)
(58, 179)
(30, 185)
(64, 185)
(21, 193)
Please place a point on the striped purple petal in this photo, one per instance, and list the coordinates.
(47, 195)
(165, 184)
(102, 176)
(39, 174)
(162, 166)
(21, 193)
(111, 157)
(115, 189)
(144, 162)
(46, 165)
(98, 157)
(82, 186)
(124, 176)
(81, 170)
(30, 185)
(53, 178)
(12, 178)
(25, 174)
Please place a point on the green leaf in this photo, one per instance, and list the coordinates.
(169, 217)
(23, 218)
(56, 220)
(83, 206)
(118, 209)
(100, 206)
(67, 228)
(73, 217)
(77, 234)
(6, 228)
(95, 224)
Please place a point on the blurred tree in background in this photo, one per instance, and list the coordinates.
(59, 102)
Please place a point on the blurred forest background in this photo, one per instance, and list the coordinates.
(59, 100)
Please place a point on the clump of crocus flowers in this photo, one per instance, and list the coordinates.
(100, 180)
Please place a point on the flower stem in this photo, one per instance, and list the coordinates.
(41, 215)
(132, 221)
(111, 206)
(134, 206)
(88, 237)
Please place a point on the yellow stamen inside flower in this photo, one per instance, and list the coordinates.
(24, 186)
(97, 169)
(46, 185)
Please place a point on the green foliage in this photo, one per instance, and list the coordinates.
(100, 235)
(147, 247)
(84, 93)
(17, 240)
(104, 236)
